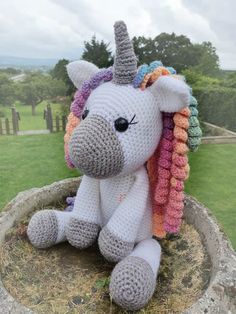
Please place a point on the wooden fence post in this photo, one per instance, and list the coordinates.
(45, 118)
(7, 124)
(1, 130)
(60, 121)
(57, 123)
(18, 119)
(49, 118)
(15, 125)
(63, 118)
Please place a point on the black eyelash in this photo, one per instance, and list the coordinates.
(131, 121)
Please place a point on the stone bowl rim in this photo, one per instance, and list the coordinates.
(217, 298)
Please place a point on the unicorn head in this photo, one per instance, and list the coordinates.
(121, 125)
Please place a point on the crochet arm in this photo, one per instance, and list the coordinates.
(83, 227)
(87, 203)
(117, 238)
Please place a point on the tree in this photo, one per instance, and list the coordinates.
(59, 72)
(230, 80)
(98, 53)
(178, 52)
(145, 49)
(7, 90)
(38, 87)
(171, 49)
(207, 59)
(196, 79)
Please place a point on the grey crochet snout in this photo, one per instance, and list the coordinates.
(95, 149)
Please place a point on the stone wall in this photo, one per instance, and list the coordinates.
(217, 135)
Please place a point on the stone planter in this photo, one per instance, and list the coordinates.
(220, 294)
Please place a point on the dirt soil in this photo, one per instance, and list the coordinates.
(63, 279)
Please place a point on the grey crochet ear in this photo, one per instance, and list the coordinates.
(172, 94)
(125, 65)
(80, 71)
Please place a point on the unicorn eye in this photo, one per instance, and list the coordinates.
(85, 113)
(121, 124)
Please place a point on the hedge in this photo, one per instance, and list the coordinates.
(217, 105)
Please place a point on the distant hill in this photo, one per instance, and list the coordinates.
(26, 63)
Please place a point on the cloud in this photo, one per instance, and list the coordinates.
(220, 16)
(37, 29)
(172, 16)
(58, 28)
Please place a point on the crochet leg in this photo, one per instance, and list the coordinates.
(47, 227)
(80, 233)
(133, 280)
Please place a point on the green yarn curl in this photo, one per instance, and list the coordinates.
(194, 130)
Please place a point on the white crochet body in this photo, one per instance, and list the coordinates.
(112, 205)
(113, 191)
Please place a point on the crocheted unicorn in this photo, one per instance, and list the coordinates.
(131, 145)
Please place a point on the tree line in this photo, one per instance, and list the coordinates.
(31, 90)
(173, 50)
(199, 62)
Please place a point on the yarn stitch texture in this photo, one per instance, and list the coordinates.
(132, 147)
(168, 168)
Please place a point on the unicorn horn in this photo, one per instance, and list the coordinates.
(125, 65)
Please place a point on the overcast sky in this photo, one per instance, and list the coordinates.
(58, 28)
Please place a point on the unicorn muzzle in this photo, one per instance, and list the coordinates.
(95, 149)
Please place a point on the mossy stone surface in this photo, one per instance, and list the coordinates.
(63, 279)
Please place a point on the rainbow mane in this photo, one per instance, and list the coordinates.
(168, 168)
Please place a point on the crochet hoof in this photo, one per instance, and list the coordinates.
(113, 248)
(42, 230)
(81, 234)
(132, 283)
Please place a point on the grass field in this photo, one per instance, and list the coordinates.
(27, 121)
(30, 161)
(212, 182)
(33, 161)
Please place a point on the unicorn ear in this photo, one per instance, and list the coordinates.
(172, 94)
(80, 71)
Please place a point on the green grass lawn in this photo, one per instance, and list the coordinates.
(27, 121)
(212, 182)
(30, 161)
(33, 161)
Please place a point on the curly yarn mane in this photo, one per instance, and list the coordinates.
(168, 168)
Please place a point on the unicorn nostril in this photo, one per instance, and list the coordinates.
(95, 148)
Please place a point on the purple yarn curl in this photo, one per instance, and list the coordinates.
(68, 161)
(70, 202)
(82, 95)
(77, 105)
(168, 121)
